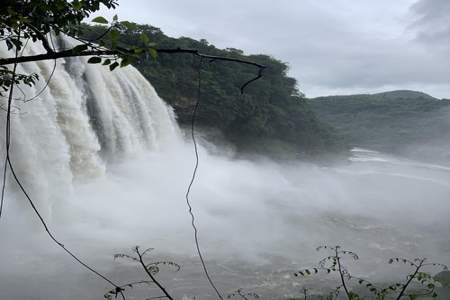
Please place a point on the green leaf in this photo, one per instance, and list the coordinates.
(153, 53)
(125, 62)
(76, 5)
(144, 38)
(100, 20)
(94, 60)
(129, 25)
(115, 18)
(106, 62)
(137, 50)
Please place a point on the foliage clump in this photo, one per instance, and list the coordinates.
(418, 282)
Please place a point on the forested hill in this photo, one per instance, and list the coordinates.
(392, 121)
(272, 117)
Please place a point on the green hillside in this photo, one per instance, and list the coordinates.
(272, 117)
(390, 121)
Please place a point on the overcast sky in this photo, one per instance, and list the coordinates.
(331, 46)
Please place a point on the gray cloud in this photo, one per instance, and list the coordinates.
(432, 12)
(338, 46)
(433, 23)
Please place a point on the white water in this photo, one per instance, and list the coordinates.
(108, 184)
(86, 117)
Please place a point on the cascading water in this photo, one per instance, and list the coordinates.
(85, 117)
(103, 152)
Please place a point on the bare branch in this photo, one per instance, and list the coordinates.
(72, 53)
(144, 266)
(55, 55)
(405, 286)
(341, 273)
(96, 51)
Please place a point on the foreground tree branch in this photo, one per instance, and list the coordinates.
(55, 55)
(151, 269)
(411, 278)
(149, 273)
(74, 52)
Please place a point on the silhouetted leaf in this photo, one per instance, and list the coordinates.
(100, 20)
(94, 60)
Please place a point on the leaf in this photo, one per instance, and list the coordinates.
(144, 38)
(76, 5)
(153, 53)
(100, 20)
(17, 43)
(80, 48)
(115, 18)
(9, 44)
(106, 62)
(113, 66)
(94, 60)
(125, 62)
(129, 25)
(137, 50)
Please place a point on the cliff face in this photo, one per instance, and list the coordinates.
(272, 117)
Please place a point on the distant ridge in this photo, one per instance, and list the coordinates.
(395, 94)
(393, 121)
(405, 94)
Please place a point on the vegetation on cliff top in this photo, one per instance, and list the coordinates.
(271, 117)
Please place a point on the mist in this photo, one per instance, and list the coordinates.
(263, 214)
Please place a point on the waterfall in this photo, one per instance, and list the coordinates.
(104, 152)
(85, 118)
